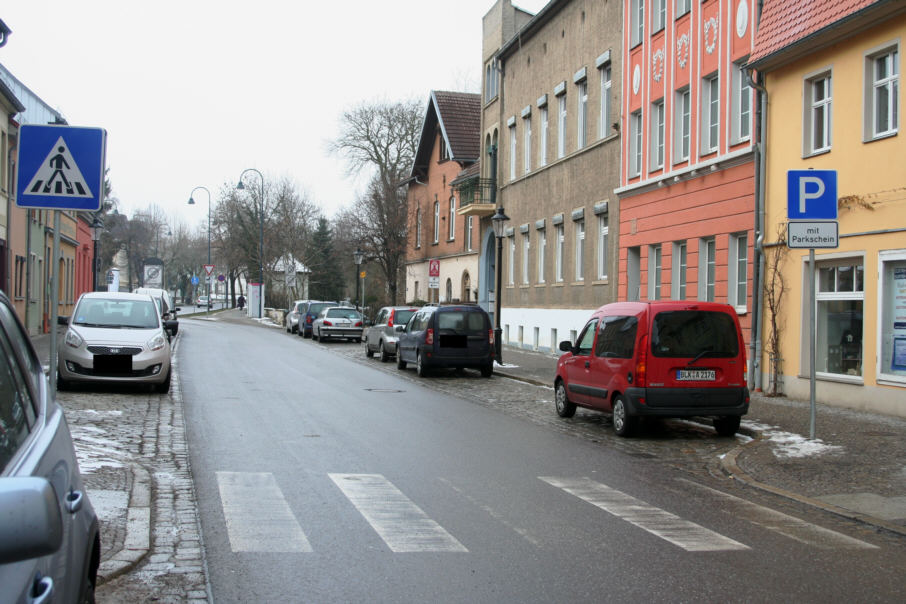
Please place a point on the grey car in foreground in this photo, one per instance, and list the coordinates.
(115, 337)
(50, 547)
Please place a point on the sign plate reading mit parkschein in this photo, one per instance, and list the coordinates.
(60, 167)
(822, 234)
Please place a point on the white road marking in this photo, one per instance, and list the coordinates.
(258, 518)
(683, 533)
(402, 525)
(790, 526)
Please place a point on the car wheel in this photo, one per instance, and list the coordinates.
(164, 387)
(726, 425)
(306, 335)
(564, 407)
(385, 356)
(368, 352)
(400, 363)
(623, 422)
(487, 370)
(420, 368)
(358, 340)
(62, 384)
(87, 592)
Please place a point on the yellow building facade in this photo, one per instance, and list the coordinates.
(833, 104)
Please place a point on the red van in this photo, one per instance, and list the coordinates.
(670, 358)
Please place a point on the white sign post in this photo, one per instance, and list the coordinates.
(812, 213)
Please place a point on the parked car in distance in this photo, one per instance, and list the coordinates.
(50, 544)
(309, 313)
(338, 322)
(291, 319)
(168, 311)
(203, 301)
(667, 358)
(381, 337)
(114, 337)
(457, 335)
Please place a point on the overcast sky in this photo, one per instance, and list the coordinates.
(192, 92)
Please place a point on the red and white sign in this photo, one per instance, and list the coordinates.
(434, 268)
(208, 269)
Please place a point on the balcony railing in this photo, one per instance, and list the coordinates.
(476, 191)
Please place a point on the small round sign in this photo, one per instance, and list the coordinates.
(221, 278)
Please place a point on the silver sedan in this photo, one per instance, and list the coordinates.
(338, 322)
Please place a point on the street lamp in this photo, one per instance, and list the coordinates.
(498, 221)
(357, 257)
(96, 227)
(241, 187)
(208, 277)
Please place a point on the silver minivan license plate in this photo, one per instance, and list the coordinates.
(696, 375)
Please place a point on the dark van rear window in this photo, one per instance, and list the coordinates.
(692, 333)
(462, 322)
(317, 308)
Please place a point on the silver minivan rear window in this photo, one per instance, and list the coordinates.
(694, 333)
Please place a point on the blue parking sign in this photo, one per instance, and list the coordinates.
(811, 194)
(60, 167)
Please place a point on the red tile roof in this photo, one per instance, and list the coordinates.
(785, 22)
(460, 118)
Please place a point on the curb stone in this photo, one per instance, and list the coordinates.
(137, 542)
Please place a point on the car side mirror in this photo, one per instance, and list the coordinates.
(32, 524)
(399, 328)
(172, 326)
(566, 346)
(64, 321)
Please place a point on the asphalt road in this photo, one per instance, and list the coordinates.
(324, 478)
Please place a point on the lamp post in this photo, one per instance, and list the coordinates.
(96, 227)
(357, 257)
(498, 221)
(241, 187)
(207, 277)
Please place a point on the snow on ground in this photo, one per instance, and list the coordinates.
(94, 449)
(787, 445)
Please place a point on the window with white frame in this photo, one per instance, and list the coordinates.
(418, 227)
(658, 15)
(710, 122)
(636, 21)
(883, 103)
(678, 270)
(542, 250)
(491, 79)
(560, 249)
(707, 248)
(469, 227)
(606, 87)
(582, 119)
(527, 144)
(561, 126)
(580, 250)
(542, 144)
(839, 311)
(682, 124)
(683, 7)
(655, 278)
(452, 218)
(741, 107)
(436, 221)
(892, 327)
(511, 259)
(657, 135)
(603, 231)
(818, 104)
(635, 144)
(525, 258)
(513, 152)
(737, 272)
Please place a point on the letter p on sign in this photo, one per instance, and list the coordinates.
(812, 194)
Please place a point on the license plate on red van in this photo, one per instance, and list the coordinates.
(695, 375)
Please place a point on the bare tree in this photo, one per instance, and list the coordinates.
(381, 138)
(775, 288)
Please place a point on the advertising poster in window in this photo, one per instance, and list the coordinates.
(897, 302)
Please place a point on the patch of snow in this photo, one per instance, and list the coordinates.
(786, 445)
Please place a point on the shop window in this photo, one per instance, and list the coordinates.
(838, 321)
(893, 317)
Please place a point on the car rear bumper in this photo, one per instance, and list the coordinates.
(340, 332)
(685, 402)
(433, 359)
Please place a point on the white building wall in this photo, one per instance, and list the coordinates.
(550, 323)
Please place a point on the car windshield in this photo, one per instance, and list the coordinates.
(461, 322)
(694, 333)
(343, 313)
(317, 308)
(116, 314)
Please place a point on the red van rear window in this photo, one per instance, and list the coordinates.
(694, 333)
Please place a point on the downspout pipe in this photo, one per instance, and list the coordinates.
(755, 371)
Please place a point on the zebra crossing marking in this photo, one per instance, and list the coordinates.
(258, 518)
(402, 525)
(670, 527)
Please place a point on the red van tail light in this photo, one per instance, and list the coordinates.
(308, 320)
(641, 365)
(429, 337)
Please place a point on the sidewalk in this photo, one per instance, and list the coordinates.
(856, 466)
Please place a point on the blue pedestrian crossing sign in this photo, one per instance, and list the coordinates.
(60, 167)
